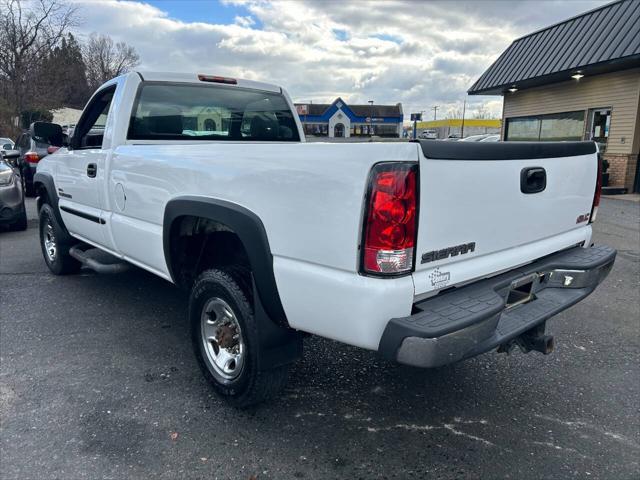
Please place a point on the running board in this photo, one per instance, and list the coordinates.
(99, 260)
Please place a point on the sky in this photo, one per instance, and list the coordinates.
(420, 53)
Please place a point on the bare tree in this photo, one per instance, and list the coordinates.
(454, 112)
(482, 112)
(28, 33)
(105, 60)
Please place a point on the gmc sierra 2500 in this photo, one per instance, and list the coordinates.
(428, 252)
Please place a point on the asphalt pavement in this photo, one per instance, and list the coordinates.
(98, 380)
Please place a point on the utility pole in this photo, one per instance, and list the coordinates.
(370, 118)
(464, 108)
(415, 123)
(435, 112)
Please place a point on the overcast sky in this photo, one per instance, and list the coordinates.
(419, 53)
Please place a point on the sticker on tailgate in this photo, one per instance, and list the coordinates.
(439, 279)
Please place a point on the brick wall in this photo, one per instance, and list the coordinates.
(622, 170)
(632, 165)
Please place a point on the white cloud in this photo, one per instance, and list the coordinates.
(418, 53)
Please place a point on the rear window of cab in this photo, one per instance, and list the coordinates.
(165, 111)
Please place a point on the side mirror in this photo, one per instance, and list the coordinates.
(45, 132)
(11, 156)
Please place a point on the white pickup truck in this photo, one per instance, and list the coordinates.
(428, 252)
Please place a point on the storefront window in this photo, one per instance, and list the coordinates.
(546, 128)
(387, 130)
(562, 126)
(316, 129)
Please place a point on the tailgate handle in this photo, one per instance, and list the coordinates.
(533, 180)
(92, 170)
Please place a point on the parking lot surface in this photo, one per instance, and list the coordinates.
(97, 380)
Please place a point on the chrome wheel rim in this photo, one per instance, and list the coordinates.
(222, 339)
(49, 239)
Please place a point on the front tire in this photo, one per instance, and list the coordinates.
(226, 343)
(54, 249)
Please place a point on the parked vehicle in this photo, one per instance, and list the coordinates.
(477, 138)
(491, 138)
(428, 135)
(31, 150)
(12, 208)
(428, 252)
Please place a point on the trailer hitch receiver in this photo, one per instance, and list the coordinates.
(533, 339)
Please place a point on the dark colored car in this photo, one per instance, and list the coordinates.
(12, 209)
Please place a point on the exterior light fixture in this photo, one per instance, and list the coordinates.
(513, 89)
(578, 75)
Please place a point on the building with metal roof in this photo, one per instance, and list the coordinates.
(577, 79)
(338, 119)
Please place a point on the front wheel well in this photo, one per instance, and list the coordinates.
(41, 194)
(197, 244)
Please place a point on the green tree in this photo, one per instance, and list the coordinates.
(62, 75)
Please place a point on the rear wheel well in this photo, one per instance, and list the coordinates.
(197, 244)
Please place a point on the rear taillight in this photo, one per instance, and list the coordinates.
(32, 157)
(390, 219)
(217, 79)
(598, 192)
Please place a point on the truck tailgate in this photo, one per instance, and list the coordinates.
(476, 217)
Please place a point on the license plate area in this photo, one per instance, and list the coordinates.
(522, 290)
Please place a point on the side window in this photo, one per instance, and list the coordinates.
(89, 131)
(168, 111)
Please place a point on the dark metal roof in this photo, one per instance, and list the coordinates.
(601, 40)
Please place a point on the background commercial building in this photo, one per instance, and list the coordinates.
(338, 119)
(576, 80)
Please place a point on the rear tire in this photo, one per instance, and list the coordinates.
(226, 343)
(52, 242)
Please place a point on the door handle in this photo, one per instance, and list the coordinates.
(92, 170)
(533, 180)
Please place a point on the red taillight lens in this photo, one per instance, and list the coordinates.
(390, 220)
(598, 192)
(32, 157)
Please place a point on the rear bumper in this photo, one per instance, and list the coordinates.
(474, 319)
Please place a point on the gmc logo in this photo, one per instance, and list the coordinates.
(448, 252)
